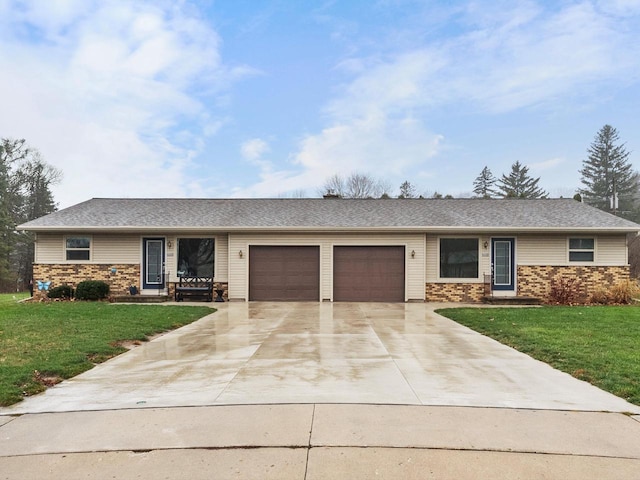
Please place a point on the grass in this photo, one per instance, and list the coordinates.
(600, 345)
(42, 343)
(12, 298)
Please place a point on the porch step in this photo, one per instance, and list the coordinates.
(140, 298)
(512, 300)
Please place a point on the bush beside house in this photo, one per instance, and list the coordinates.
(92, 290)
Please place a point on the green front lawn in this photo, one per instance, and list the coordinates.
(600, 345)
(41, 343)
(12, 298)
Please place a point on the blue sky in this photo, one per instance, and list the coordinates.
(241, 98)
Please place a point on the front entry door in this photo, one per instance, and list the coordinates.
(153, 263)
(502, 264)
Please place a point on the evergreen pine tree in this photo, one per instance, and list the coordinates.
(607, 164)
(483, 185)
(519, 184)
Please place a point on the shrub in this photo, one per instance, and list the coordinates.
(565, 291)
(92, 290)
(61, 291)
(600, 296)
(621, 293)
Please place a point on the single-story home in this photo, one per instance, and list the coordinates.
(332, 249)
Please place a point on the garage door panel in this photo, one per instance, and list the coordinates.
(369, 273)
(284, 273)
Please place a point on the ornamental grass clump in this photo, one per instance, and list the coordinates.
(622, 293)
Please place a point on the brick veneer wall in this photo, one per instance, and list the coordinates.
(119, 282)
(454, 292)
(72, 274)
(535, 281)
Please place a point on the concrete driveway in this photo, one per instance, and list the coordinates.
(261, 353)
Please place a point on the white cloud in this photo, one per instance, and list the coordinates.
(377, 144)
(508, 56)
(112, 92)
(115, 91)
(384, 147)
(254, 149)
(620, 7)
(544, 58)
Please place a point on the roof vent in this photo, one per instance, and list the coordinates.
(331, 194)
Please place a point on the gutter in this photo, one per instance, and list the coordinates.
(326, 229)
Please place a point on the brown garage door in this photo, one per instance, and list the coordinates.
(368, 274)
(284, 273)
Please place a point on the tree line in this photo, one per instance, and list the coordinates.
(25, 194)
(517, 184)
(607, 177)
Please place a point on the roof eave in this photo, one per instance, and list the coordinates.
(243, 229)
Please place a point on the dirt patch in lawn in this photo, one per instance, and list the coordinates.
(48, 380)
(131, 344)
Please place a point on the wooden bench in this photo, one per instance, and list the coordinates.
(198, 287)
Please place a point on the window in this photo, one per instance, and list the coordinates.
(458, 258)
(581, 249)
(78, 248)
(195, 257)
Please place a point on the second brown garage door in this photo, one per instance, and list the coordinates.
(284, 273)
(368, 274)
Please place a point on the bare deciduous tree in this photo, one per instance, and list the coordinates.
(356, 185)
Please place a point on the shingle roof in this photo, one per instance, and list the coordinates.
(131, 214)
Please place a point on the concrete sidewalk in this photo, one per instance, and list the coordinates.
(321, 441)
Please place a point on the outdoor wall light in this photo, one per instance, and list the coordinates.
(413, 254)
(486, 245)
(169, 243)
(240, 253)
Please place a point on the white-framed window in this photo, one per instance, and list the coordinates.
(459, 257)
(196, 257)
(78, 249)
(582, 249)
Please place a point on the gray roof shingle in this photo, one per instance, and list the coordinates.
(131, 214)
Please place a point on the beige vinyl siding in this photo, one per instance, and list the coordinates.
(222, 258)
(433, 259)
(611, 250)
(49, 248)
(116, 249)
(239, 272)
(553, 250)
(542, 250)
(326, 281)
